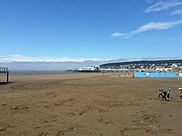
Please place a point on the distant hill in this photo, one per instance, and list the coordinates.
(144, 63)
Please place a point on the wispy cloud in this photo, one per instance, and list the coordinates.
(162, 6)
(117, 34)
(20, 58)
(148, 27)
(177, 12)
(149, 1)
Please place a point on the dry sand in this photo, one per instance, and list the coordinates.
(88, 104)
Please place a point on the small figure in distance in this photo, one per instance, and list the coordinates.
(180, 93)
(162, 94)
(168, 93)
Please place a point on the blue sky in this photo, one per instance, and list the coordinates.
(89, 29)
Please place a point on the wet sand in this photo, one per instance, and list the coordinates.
(84, 104)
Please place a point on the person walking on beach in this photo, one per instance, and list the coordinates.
(164, 95)
(160, 93)
(168, 93)
(180, 94)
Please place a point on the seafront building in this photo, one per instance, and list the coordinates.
(5, 70)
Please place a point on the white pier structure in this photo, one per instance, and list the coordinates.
(89, 69)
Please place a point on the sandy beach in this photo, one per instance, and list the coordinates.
(83, 104)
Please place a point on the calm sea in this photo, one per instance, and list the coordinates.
(34, 72)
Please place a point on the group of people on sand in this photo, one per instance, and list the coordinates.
(165, 94)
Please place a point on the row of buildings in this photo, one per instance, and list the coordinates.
(163, 66)
(160, 66)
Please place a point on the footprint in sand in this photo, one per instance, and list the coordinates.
(20, 107)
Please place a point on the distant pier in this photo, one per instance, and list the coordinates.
(5, 70)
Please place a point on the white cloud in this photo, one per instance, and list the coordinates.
(117, 34)
(162, 6)
(177, 12)
(20, 58)
(158, 26)
(148, 27)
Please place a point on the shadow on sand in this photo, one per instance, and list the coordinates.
(5, 83)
